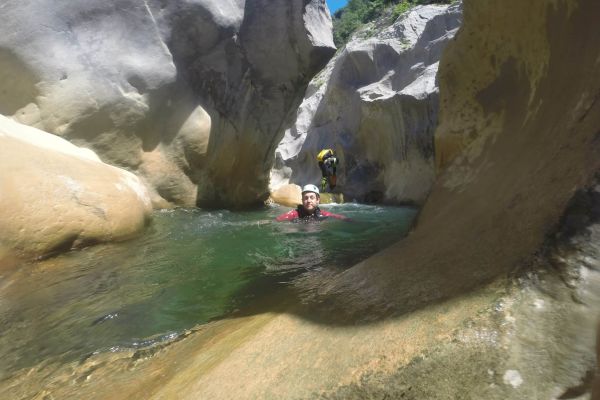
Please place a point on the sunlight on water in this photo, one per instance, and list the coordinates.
(189, 267)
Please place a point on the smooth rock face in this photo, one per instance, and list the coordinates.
(518, 135)
(288, 195)
(190, 94)
(55, 196)
(376, 105)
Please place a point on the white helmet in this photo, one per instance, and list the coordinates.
(310, 188)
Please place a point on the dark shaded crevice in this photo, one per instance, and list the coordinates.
(579, 390)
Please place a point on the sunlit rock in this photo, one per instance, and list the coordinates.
(288, 195)
(55, 196)
(291, 195)
(207, 84)
(376, 105)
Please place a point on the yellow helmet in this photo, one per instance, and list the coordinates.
(323, 154)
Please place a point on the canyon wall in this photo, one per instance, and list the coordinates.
(494, 294)
(376, 105)
(518, 135)
(190, 95)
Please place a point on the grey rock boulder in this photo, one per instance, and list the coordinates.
(376, 105)
(250, 78)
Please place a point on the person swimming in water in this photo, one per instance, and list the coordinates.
(309, 209)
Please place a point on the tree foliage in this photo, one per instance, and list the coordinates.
(358, 12)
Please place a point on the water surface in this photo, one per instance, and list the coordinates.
(189, 267)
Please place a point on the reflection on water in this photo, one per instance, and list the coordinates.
(189, 267)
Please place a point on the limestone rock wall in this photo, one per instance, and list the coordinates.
(191, 95)
(55, 196)
(376, 105)
(518, 134)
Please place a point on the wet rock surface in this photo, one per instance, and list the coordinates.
(536, 340)
(493, 205)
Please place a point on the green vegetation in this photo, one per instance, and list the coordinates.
(358, 12)
(401, 8)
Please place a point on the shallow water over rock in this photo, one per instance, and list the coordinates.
(188, 268)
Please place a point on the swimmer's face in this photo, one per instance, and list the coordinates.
(310, 201)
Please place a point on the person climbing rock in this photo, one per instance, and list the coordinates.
(328, 164)
(309, 209)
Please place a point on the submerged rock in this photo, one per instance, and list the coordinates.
(55, 196)
(192, 95)
(376, 105)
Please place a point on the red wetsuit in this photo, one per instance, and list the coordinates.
(299, 214)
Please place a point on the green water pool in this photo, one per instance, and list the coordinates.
(189, 267)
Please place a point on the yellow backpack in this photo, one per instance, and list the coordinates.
(323, 154)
